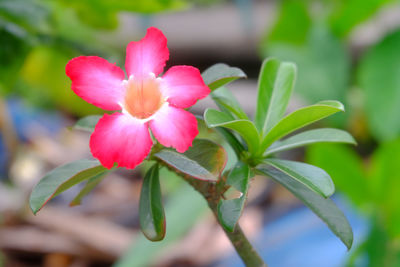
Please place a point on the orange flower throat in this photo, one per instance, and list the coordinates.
(143, 98)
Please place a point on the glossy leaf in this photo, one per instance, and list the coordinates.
(300, 118)
(229, 211)
(221, 74)
(322, 207)
(61, 179)
(235, 144)
(205, 160)
(245, 128)
(324, 135)
(183, 209)
(89, 186)
(228, 103)
(229, 137)
(378, 76)
(313, 177)
(87, 123)
(151, 210)
(275, 86)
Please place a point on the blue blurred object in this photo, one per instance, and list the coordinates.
(247, 16)
(28, 122)
(301, 239)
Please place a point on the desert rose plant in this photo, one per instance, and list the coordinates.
(151, 123)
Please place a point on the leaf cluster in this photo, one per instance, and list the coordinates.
(255, 142)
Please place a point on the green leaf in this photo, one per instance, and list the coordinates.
(228, 103)
(87, 123)
(378, 76)
(89, 186)
(229, 211)
(231, 140)
(313, 177)
(322, 207)
(61, 179)
(205, 160)
(275, 86)
(229, 137)
(151, 210)
(326, 135)
(245, 128)
(300, 118)
(221, 74)
(322, 60)
(183, 209)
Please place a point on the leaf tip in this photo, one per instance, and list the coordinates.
(33, 207)
(74, 203)
(348, 243)
(339, 106)
(352, 140)
(333, 103)
(35, 210)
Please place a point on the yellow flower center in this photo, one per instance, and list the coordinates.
(143, 97)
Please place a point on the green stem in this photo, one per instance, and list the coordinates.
(243, 247)
(212, 192)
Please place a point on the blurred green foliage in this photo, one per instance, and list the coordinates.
(315, 35)
(38, 38)
(43, 73)
(379, 77)
(103, 13)
(292, 25)
(323, 62)
(373, 186)
(344, 15)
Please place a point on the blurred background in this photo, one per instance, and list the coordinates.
(347, 50)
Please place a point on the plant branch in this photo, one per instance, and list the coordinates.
(212, 192)
(244, 248)
(242, 245)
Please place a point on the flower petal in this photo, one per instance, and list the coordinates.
(122, 139)
(183, 86)
(97, 81)
(147, 55)
(174, 127)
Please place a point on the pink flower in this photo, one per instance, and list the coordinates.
(146, 100)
